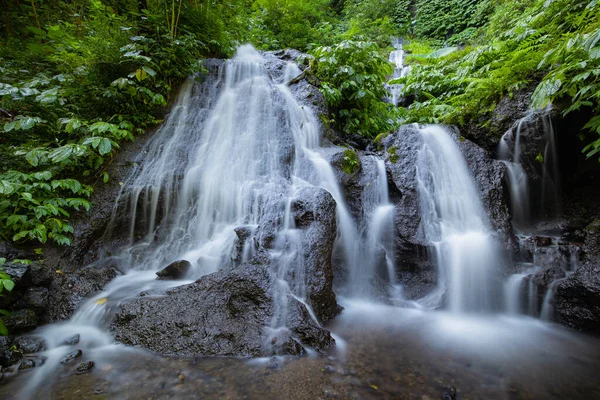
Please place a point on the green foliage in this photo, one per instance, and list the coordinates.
(376, 20)
(350, 162)
(352, 76)
(441, 19)
(89, 79)
(296, 24)
(6, 283)
(553, 45)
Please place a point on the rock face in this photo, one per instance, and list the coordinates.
(232, 312)
(577, 300)
(314, 213)
(224, 313)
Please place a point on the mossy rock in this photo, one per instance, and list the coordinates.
(393, 154)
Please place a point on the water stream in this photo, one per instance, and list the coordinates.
(454, 220)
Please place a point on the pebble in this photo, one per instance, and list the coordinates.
(27, 363)
(84, 367)
(73, 340)
(71, 356)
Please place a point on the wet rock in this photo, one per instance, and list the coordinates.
(577, 299)
(175, 270)
(542, 241)
(21, 321)
(8, 251)
(84, 367)
(314, 212)
(30, 344)
(592, 243)
(487, 132)
(72, 341)
(71, 356)
(41, 274)
(6, 356)
(20, 273)
(35, 298)
(244, 238)
(27, 363)
(490, 176)
(224, 313)
(68, 291)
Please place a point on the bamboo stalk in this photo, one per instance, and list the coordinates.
(37, 22)
(177, 21)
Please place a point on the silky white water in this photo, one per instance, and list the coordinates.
(454, 220)
(400, 70)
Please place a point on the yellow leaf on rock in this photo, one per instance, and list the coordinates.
(102, 300)
(374, 387)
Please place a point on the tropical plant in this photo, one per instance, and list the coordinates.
(6, 284)
(352, 76)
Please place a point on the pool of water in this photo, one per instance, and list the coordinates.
(383, 353)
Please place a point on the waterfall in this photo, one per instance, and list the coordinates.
(372, 242)
(510, 152)
(517, 178)
(400, 70)
(233, 151)
(454, 220)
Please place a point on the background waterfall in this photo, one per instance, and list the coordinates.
(454, 220)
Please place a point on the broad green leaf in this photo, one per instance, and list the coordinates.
(104, 146)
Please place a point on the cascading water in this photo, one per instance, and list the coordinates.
(376, 241)
(453, 219)
(400, 70)
(214, 168)
(517, 179)
(510, 152)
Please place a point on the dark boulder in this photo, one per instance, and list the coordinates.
(34, 298)
(21, 321)
(84, 367)
(19, 273)
(225, 313)
(490, 176)
(314, 213)
(27, 363)
(6, 354)
(487, 132)
(577, 300)
(68, 291)
(71, 341)
(67, 358)
(30, 344)
(175, 270)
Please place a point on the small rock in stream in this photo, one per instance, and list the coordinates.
(84, 367)
(73, 340)
(27, 363)
(30, 344)
(71, 356)
(175, 270)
